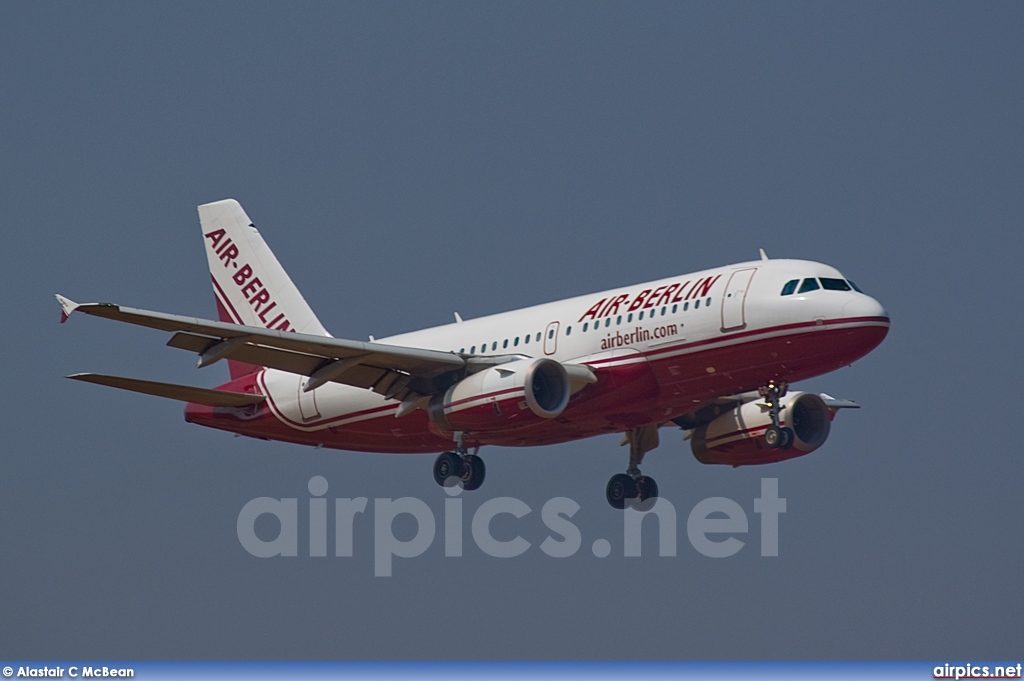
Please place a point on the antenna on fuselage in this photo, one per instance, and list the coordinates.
(764, 256)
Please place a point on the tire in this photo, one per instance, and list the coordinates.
(647, 487)
(447, 465)
(773, 437)
(788, 438)
(647, 490)
(473, 472)
(620, 488)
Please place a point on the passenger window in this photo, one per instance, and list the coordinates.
(663, 311)
(618, 320)
(538, 336)
(568, 330)
(641, 314)
(516, 341)
(494, 346)
(505, 344)
(608, 322)
(585, 324)
(707, 303)
(528, 338)
(462, 350)
(472, 350)
(629, 318)
(696, 304)
(809, 285)
(686, 306)
(834, 284)
(675, 308)
(790, 287)
(551, 333)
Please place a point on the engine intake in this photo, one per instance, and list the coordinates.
(505, 397)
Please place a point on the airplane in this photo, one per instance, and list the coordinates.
(711, 352)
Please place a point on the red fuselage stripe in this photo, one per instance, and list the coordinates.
(866, 321)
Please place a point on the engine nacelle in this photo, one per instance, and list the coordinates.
(505, 397)
(736, 438)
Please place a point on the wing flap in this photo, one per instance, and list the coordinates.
(184, 393)
(285, 360)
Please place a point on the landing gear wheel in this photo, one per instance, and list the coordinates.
(646, 488)
(620, 488)
(788, 436)
(473, 472)
(776, 437)
(448, 465)
(646, 493)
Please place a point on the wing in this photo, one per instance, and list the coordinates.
(394, 371)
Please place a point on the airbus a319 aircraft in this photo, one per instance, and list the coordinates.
(710, 352)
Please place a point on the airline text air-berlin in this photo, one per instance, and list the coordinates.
(251, 287)
(649, 298)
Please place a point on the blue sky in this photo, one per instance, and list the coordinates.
(407, 160)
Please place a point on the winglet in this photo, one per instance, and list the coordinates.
(835, 404)
(67, 306)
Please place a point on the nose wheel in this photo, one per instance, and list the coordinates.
(631, 488)
(776, 436)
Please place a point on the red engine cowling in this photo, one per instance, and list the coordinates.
(736, 438)
(505, 397)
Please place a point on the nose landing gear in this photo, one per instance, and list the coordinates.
(776, 437)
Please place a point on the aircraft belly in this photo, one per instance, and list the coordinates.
(632, 390)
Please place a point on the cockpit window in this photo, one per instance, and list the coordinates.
(855, 287)
(790, 287)
(834, 284)
(809, 285)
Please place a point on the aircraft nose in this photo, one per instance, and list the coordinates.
(864, 306)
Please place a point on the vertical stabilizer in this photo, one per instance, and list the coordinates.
(249, 284)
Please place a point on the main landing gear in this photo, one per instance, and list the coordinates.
(776, 437)
(469, 468)
(639, 491)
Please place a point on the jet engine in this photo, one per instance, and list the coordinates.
(504, 397)
(736, 438)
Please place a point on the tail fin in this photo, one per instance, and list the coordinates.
(249, 284)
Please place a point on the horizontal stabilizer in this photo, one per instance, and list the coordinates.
(185, 393)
